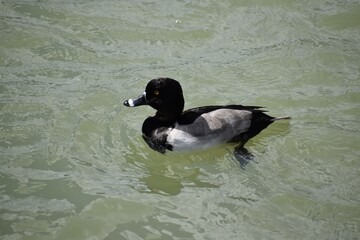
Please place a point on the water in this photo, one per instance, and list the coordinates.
(74, 165)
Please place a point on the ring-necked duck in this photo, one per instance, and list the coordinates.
(196, 128)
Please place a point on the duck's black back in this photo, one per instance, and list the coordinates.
(190, 115)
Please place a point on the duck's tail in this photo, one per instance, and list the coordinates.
(281, 118)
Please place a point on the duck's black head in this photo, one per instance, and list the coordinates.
(163, 94)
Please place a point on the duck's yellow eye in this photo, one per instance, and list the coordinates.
(156, 92)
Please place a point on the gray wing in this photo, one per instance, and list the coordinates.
(222, 121)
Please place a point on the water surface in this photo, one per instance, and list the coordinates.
(73, 164)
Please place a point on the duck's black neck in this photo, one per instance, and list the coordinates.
(168, 116)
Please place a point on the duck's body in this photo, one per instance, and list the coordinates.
(196, 128)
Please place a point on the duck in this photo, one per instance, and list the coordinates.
(173, 129)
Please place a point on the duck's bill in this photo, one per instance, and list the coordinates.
(133, 102)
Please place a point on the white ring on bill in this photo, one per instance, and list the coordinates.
(131, 102)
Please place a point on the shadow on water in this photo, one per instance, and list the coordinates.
(159, 183)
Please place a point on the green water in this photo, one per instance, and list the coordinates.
(73, 164)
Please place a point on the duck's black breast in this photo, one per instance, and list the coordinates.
(155, 134)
